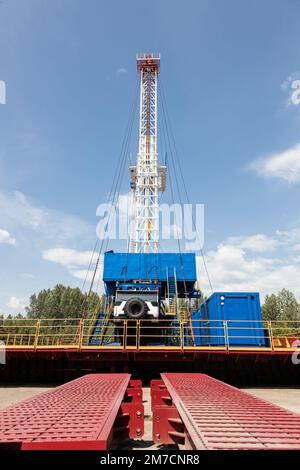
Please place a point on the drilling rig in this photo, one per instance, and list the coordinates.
(144, 284)
(152, 295)
(151, 323)
(153, 310)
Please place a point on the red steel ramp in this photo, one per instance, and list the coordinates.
(83, 414)
(199, 412)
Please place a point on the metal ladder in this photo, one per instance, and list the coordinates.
(100, 326)
(172, 292)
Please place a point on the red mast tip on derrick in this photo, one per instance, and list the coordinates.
(148, 62)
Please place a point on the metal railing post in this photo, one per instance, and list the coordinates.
(125, 334)
(138, 335)
(37, 332)
(80, 339)
(181, 335)
(271, 334)
(226, 338)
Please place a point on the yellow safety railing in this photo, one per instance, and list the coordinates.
(150, 335)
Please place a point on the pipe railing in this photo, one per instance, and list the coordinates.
(145, 334)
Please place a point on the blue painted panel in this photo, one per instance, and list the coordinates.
(151, 266)
(244, 319)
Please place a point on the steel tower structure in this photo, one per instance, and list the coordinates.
(147, 177)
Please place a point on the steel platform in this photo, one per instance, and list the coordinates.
(57, 350)
(84, 414)
(199, 412)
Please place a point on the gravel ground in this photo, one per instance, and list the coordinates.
(288, 398)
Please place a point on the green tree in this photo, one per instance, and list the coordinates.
(270, 309)
(61, 305)
(288, 305)
(62, 302)
(284, 312)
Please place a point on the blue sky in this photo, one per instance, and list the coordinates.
(227, 72)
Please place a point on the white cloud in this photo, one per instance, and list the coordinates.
(256, 243)
(68, 257)
(290, 236)
(121, 71)
(27, 275)
(76, 262)
(36, 228)
(5, 237)
(240, 264)
(17, 211)
(16, 304)
(291, 87)
(284, 165)
(84, 274)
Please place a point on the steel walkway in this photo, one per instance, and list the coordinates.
(199, 412)
(84, 414)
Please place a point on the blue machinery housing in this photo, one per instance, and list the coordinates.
(154, 267)
(232, 319)
(240, 311)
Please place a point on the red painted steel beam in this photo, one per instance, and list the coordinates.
(159, 394)
(143, 354)
(214, 415)
(130, 421)
(134, 395)
(135, 384)
(77, 415)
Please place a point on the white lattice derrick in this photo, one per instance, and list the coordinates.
(147, 178)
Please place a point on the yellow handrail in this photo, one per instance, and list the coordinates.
(162, 334)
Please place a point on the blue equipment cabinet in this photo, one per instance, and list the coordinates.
(156, 267)
(244, 321)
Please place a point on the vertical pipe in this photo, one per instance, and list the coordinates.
(37, 332)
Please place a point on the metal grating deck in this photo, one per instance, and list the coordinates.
(218, 416)
(77, 415)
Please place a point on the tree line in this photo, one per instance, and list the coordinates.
(61, 302)
(68, 302)
(282, 307)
